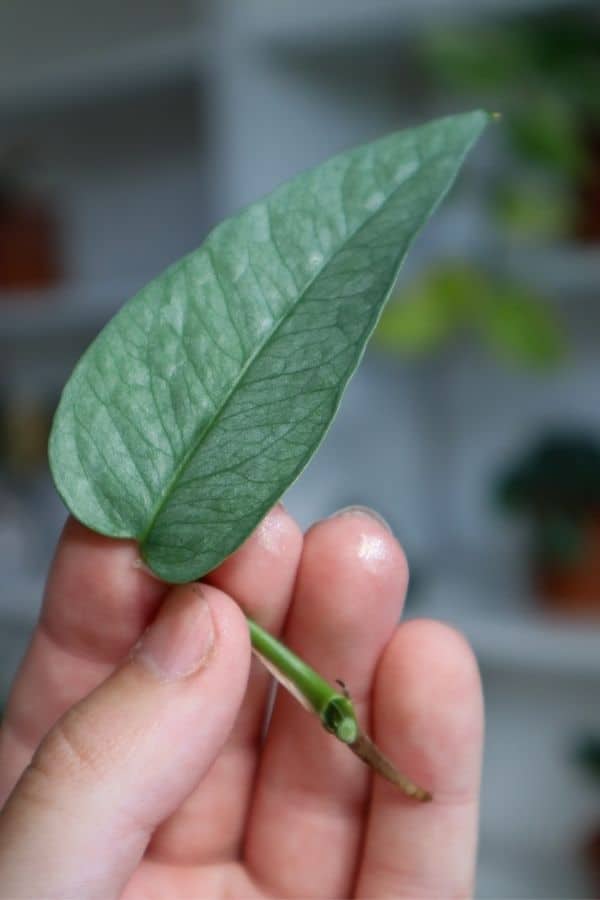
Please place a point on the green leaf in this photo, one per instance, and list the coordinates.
(520, 328)
(207, 394)
(435, 308)
(452, 298)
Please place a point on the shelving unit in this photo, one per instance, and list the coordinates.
(569, 272)
(513, 634)
(121, 74)
(111, 109)
(342, 23)
(60, 312)
(100, 74)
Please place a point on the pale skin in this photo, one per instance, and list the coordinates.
(138, 768)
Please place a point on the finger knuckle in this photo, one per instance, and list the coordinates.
(68, 751)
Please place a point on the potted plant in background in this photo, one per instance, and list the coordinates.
(587, 757)
(556, 485)
(29, 251)
(454, 302)
(543, 72)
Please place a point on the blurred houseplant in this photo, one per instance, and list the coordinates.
(543, 72)
(456, 299)
(29, 254)
(557, 486)
(588, 759)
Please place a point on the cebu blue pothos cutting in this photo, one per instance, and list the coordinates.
(207, 394)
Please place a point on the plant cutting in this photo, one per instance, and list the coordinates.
(207, 394)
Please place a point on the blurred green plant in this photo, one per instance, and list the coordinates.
(544, 208)
(543, 72)
(587, 754)
(557, 485)
(455, 299)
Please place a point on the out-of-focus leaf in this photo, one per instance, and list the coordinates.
(519, 328)
(559, 539)
(477, 59)
(417, 323)
(535, 209)
(455, 298)
(587, 754)
(549, 133)
(205, 397)
(431, 311)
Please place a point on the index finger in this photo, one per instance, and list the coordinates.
(97, 602)
(428, 718)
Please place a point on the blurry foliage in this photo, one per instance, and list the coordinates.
(542, 72)
(16, 167)
(557, 485)
(455, 299)
(546, 209)
(562, 471)
(587, 755)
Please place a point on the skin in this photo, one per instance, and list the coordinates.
(145, 772)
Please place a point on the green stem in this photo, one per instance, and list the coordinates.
(313, 689)
(334, 709)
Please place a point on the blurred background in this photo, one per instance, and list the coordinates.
(128, 129)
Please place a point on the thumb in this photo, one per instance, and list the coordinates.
(125, 758)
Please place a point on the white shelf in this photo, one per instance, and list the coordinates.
(14, 638)
(510, 635)
(567, 271)
(512, 868)
(148, 61)
(342, 23)
(66, 311)
(19, 608)
(21, 600)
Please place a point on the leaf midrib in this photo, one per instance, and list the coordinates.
(251, 359)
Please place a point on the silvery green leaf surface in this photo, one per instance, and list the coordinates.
(206, 395)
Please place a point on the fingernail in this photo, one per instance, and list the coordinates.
(362, 511)
(179, 641)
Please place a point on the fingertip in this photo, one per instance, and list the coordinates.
(98, 599)
(196, 621)
(363, 538)
(279, 534)
(456, 664)
(77, 540)
(277, 537)
(362, 557)
(230, 624)
(428, 720)
(428, 707)
(260, 574)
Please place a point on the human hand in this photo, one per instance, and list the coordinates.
(144, 773)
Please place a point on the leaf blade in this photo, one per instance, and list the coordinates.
(207, 394)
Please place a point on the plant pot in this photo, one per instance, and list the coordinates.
(591, 853)
(29, 256)
(588, 218)
(573, 588)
